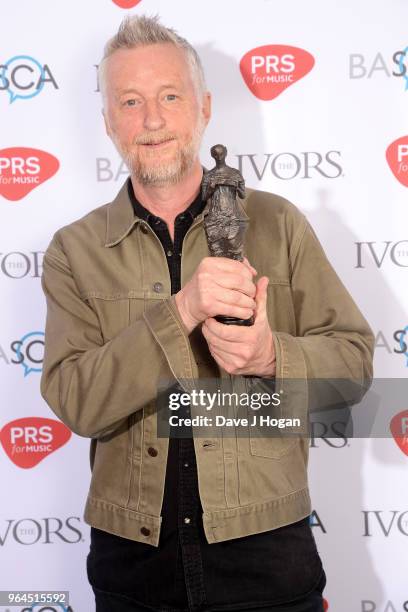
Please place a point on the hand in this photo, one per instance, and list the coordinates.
(219, 286)
(244, 350)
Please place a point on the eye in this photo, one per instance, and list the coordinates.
(130, 102)
(171, 97)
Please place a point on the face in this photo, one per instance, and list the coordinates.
(152, 112)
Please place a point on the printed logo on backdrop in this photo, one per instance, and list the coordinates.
(269, 70)
(368, 605)
(29, 440)
(330, 435)
(24, 77)
(49, 530)
(380, 65)
(126, 4)
(288, 165)
(385, 522)
(283, 165)
(399, 340)
(17, 264)
(382, 253)
(397, 158)
(316, 521)
(29, 352)
(399, 430)
(22, 169)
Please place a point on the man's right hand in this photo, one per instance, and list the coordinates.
(219, 286)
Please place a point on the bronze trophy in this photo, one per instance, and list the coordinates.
(225, 224)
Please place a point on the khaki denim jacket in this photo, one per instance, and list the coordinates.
(113, 332)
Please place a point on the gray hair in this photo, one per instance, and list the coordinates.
(137, 31)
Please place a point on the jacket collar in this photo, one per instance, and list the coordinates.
(121, 216)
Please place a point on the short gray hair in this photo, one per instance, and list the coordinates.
(137, 31)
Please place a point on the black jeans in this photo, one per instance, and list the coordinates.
(114, 602)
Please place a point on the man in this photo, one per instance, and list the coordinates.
(191, 523)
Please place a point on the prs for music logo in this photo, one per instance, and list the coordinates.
(126, 4)
(270, 69)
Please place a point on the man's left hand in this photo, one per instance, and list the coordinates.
(244, 350)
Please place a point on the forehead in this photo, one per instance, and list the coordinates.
(147, 67)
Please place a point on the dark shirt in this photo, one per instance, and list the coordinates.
(185, 572)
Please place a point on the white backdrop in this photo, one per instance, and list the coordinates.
(321, 143)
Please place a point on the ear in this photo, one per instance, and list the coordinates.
(206, 106)
(106, 121)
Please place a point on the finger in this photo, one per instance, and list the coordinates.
(237, 282)
(261, 297)
(246, 262)
(228, 340)
(230, 265)
(226, 299)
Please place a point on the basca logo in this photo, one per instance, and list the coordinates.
(29, 440)
(29, 352)
(368, 605)
(400, 337)
(29, 531)
(397, 158)
(17, 264)
(23, 77)
(22, 169)
(126, 4)
(385, 522)
(379, 252)
(270, 69)
(362, 67)
(399, 430)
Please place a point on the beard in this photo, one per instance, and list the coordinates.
(147, 171)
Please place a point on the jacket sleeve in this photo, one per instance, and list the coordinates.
(334, 339)
(334, 344)
(328, 362)
(91, 386)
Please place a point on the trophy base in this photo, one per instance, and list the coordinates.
(234, 320)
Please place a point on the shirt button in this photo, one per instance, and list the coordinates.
(169, 253)
(143, 229)
(158, 287)
(186, 464)
(182, 217)
(187, 520)
(145, 531)
(153, 452)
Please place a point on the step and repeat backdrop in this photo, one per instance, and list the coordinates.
(311, 100)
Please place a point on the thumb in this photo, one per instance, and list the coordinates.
(261, 296)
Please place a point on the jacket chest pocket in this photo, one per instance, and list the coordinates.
(273, 446)
(116, 312)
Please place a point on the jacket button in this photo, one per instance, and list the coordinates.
(152, 451)
(158, 287)
(145, 531)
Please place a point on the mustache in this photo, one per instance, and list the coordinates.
(153, 138)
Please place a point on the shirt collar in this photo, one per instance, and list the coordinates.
(196, 206)
(121, 216)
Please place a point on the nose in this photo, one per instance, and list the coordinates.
(153, 118)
